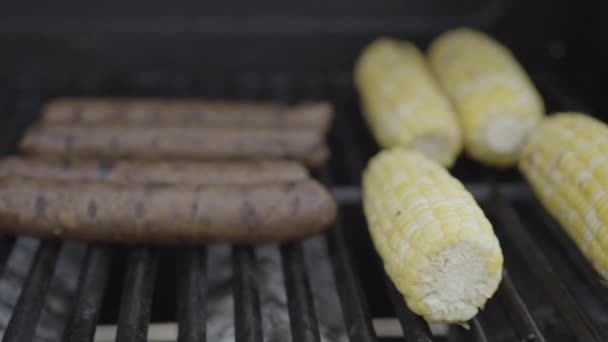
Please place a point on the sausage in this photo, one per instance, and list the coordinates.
(173, 142)
(138, 111)
(145, 172)
(164, 213)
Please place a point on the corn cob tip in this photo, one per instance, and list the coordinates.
(436, 147)
(458, 282)
(506, 134)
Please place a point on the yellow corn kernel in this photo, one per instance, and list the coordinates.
(437, 246)
(575, 146)
(496, 101)
(402, 103)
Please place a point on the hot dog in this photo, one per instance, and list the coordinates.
(175, 142)
(100, 111)
(138, 213)
(146, 172)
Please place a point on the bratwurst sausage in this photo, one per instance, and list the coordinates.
(151, 172)
(140, 111)
(164, 213)
(173, 142)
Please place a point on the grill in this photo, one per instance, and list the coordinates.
(549, 292)
(327, 288)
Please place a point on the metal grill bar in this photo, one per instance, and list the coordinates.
(191, 296)
(302, 316)
(6, 244)
(352, 299)
(540, 266)
(91, 288)
(479, 335)
(22, 325)
(354, 306)
(520, 317)
(136, 300)
(247, 319)
(414, 327)
(458, 334)
(351, 194)
(475, 332)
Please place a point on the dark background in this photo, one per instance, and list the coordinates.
(54, 41)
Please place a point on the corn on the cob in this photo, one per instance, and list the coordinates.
(497, 103)
(436, 244)
(403, 104)
(566, 161)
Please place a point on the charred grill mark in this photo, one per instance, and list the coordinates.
(295, 205)
(248, 215)
(139, 209)
(114, 143)
(77, 114)
(105, 167)
(92, 209)
(69, 142)
(40, 206)
(152, 187)
(289, 186)
(194, 209)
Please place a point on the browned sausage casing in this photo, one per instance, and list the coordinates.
(96, 111)
(164, 213)
(146, 172)
(171, 142)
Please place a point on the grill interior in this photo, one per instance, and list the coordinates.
(327, 288)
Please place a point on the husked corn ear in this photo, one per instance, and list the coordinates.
(403, 104)
(566, 161)
(497, 103)
(437, 246)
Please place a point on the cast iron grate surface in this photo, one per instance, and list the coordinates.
(327, 288)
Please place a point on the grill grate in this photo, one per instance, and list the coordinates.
(191, 296)
(247, 319)
(94, 276)
(502, 195)
(136, 301)
(30, 303)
